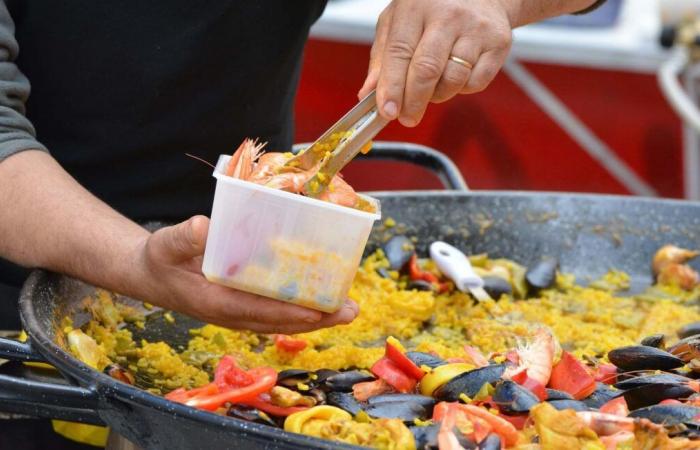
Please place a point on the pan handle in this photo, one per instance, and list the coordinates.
(437, 162)
(54, 399)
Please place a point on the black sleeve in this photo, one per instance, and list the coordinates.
(16, 132)
(592, 7)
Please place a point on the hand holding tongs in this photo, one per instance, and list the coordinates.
(363, 122)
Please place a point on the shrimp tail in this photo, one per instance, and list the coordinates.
(242, 163)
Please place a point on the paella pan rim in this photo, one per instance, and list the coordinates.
(110, 389)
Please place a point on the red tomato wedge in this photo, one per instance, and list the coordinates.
(388, 371)
(571, 376)
(532, 385)
(606, 373)
(228, 374)
(398, 357)
(616, 406)
(289, 344)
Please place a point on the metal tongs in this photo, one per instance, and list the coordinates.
(359, 126)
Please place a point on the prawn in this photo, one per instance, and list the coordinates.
(604, 424)
(536, 358)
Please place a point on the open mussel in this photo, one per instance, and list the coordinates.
(345, 401)
(469, 383)
(543, 274)
(250, 414)
(651, 394)
(511, 398)
(640, 357)
(568, 404)
(291, 378)
(344, 381)
(398, 251)
(497, 287)
(425, 359)
(668, 415)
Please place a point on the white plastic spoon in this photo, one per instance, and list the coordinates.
(456, 266)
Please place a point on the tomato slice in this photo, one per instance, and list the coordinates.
(616, 406)
(393, 375)
(275, 410)
(289, 344)
(395, 354)
(265, 379)
(571, 376)
(228, 374)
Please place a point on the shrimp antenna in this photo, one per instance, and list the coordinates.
(201, 160)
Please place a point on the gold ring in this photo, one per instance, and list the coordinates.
(461, 62)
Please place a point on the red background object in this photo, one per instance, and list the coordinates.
(499, 138)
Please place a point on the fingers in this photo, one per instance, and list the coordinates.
(183, 241)
(375, 57)
(427, 66)
(485, 70)
(402, 40)
(456, 75)
(345, 315)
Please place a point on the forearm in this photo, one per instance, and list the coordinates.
(48, 220)
(522, 12)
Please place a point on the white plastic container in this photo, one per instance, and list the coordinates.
(283, 245)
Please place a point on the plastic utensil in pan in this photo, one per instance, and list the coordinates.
(456, 266)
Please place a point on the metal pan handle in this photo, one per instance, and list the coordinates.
(48, 399)
(420, 155)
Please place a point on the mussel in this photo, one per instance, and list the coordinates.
(425, 359)
(292, 377)
(668, 415)
(407, 411)
(651, 394)
(602, 394)
(543, 274)
(655, 340)
(568, 404)
(382, 272)
(249, 414)
(420, 285)
(553, 394)
(655, 378)
(345, 401)
(688, 330)
(423, 400)
(497, 287)
(398, 250)
(344, 381)
(639, 357)
(492, 442)
(686, 349)
(469, 383)
(512, 398)
(426, 438)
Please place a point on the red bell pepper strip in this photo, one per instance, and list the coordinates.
(606, 373)
(416, 273)
(289, 344)
(533, 386)
(393, 375)
(275, 410)
(447, 413)
(571, 376)
(363, 391)
(398, 357)
(616, 406)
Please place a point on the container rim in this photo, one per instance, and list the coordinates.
(220, 177)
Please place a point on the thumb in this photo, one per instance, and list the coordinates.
(183, 241)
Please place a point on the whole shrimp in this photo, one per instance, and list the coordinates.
(536, 357)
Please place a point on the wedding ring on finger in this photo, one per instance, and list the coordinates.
(461, 62)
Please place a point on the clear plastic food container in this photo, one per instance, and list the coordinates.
(283, 245)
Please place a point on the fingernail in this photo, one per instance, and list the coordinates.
(352, 305)
(391, 110)
(408, 122)
(347, 315)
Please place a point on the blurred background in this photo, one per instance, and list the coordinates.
(578, 107)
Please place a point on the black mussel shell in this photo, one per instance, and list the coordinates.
(345, 401)
(640, 357)
(568, 404)
(426, 437)
(344, 381)
(323, 374)
(511, 398)
(420, 285)
(469, 383)
(655, 340)
(553, 394)
(425, 359)
(406, 411)
(423, 400)
(542, 274)
(398, 250)
(318, 395)
(250, 414)
(689, 330)
(657, 378)
(383, 273)
(497, 287)
(668, 415)
(292, 377)
(602, 394)
(651, 394)
(119, 373)
(492, 442)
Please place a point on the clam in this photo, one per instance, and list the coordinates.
(639, 357)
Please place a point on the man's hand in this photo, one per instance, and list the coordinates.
(410, 63)
(171, 263)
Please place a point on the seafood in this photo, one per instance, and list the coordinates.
(640, 357)
(249, 163)
(542, 274)
(469, 383)
(536, 358)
